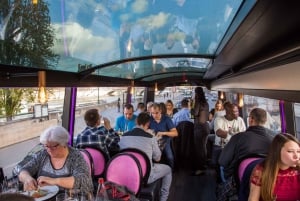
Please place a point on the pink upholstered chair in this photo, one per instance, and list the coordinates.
(124, 169)
(99, 160)
(244, 164)
(143, 159)
(88, 159)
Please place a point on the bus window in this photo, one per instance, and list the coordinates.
(297, 118)
(270, 105)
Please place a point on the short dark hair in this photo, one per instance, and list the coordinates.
(91, 117)
(259, 115)
(128, 106)
(143, 118)
(185, 102)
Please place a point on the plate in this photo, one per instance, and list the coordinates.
(52, 191)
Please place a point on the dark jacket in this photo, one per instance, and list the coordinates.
(255, 140)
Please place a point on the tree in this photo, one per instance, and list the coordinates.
(26, 39)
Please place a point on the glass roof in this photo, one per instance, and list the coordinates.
(132, 39)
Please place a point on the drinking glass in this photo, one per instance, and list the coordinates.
(61, 197)
(72, 194)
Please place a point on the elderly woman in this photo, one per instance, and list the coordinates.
(57, 164)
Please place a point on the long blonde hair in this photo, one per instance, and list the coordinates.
(271, 165)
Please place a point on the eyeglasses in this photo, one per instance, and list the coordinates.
(51, 147)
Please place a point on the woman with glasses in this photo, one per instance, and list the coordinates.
(56, 164)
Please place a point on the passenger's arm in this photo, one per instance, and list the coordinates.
(171, 133)
(28, 181)
(254, 194)
(222, 133)
(65, 182)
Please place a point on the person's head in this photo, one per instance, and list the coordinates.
(284, 153)
(128, 111)
(149, 105)
(200, 95)
(219, 105)
(92, 118)
(143, 120)
(228, 110)
(257, 117)
(54, 139)
(235, 111)
(156, 111)
(141, 106)
(169, 104)
(163, 108)
(185, 103)
(15, 197)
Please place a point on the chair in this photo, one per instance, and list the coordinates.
(88, 159)
(143, 159)
(243, 173)
(151, 191)
(124, 169)
(183, 145)
(99, 160)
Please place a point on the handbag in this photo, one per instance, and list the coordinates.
(110, 191)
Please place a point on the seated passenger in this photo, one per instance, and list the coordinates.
(184, 113)
(164, 129)
(278, 177)
(139, 138)
(255, 140)
(228, 125)
(57, 164)
(170, 108)
(103, 137)
(140, 108)
(126, 122)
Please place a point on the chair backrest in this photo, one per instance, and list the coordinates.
(99, 160)
(243, 165)
(143, 159)
(88, 159)
(124, 169)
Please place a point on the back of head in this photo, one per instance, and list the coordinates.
(91, 117)
(55, 134)
(199, 95)
(185, 103)
(15, 197)
(259, 115)
(143, 118)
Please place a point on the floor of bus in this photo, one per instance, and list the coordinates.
(186, 186)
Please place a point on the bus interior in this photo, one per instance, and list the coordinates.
(246, 49)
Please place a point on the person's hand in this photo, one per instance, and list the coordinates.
(159, 134)
(106, 123)
(30, 184)
(46, 181)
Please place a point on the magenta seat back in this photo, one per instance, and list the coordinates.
(99, 161)
(124, 169)
(143, 160)
(87, 159)
(244, 164)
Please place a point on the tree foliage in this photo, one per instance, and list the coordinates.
(26, 39)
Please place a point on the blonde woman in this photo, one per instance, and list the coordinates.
(278, 177)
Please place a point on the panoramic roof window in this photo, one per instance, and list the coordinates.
(75, 35)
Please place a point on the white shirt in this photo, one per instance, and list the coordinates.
(237, 125)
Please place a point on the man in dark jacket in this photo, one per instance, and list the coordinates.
(255, 140)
